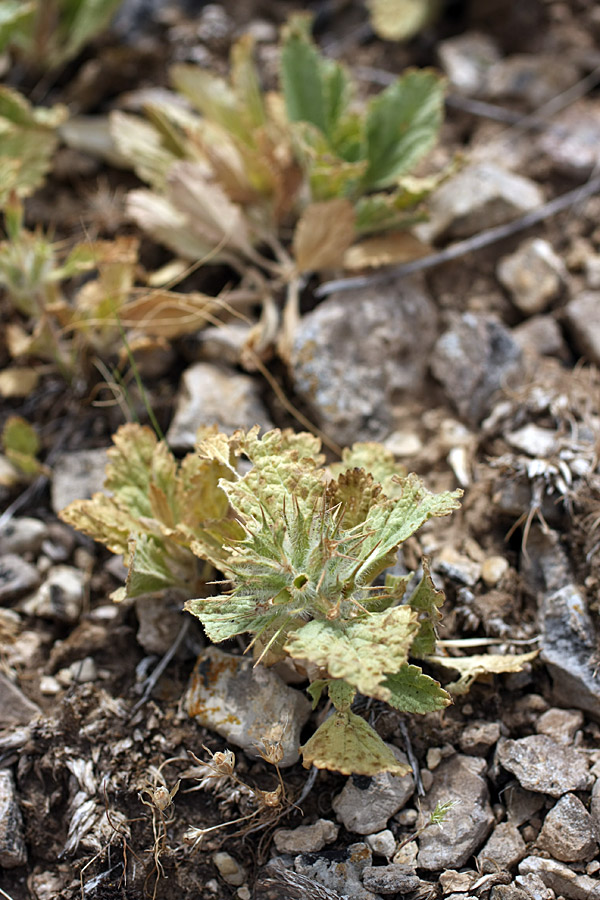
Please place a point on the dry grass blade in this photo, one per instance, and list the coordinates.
(298, 887)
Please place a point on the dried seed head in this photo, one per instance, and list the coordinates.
(272, 798)
(224, 763)
(161, 798)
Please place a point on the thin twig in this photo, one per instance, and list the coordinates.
(152, 679)
(414, 763)
(461, 248)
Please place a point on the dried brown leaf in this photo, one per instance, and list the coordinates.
(384, 250)
(323, 234)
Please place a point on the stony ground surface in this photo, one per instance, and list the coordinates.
(478, 372)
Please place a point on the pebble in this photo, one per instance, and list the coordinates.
(229, 868)
(592, 271)
(573, 141)
(60, 597)
(160, 620)
(354, 357)
(383, 843)
(467, 823)
(533, 440)
(211, 394)
(15, 707)
(434, 758)
(534, 887)
(540, 336)
(228, 695)
(13, 851)
(472, 360)
(595, 809)
(403, 443)
(49, 686)
(530, 78)
(76, 476)
(560, 878)
(22, 535)
(504, 849)
(83, 670)
(478, 738)
(493, 569)
(543, 765)
(452, 881)
(390, 879)
(521, 805)
(407, 855)
(509, 892)
(306, 838)
(481, 196)
(466, 61)
(341, 873)
(366, 804)
(16, 577)
(567, 832)
(457, 566)
(560, 724)
(533, 275)
(582, 315)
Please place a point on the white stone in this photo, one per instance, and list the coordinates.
(533, 275)
(492, 570)
(60, 597)
(229, 868)
(383, 843)
(467, 59)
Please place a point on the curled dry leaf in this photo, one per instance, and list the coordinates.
(470, 667)
(168, 315)
(384, 250)
(323, 234)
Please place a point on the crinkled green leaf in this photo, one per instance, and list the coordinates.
(360, 651)
(128, 473)
(471, 667)
(79, 22)
(426, 601)
(315, 689)
(151, 568)
(357, 492)
(412, 691)
(375, 459)
(402, 125)
(224, 617)
(341, 694)
(390, 210)
(346, 743)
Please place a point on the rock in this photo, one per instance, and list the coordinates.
(504, 849)
(478, 738)
(15, 707)
(59, 543)
(383, 843)
(46, 885)
(160, 619)
(533, 275)
(60, 598)
(534, 440)
(573, 141)
(595, 809)
(481, 196)
(521, 805)
(407, 855)
(306, 838)
(243, 704)
(560, 724)
(561, 879)
(567, 832)
(452, 881)
(534, 887)
(583, 318)
(592, 271)
(16, 577)
(390, 879)
(76, 476)
(210, 395)
(543, 765)
(229, 868)
(493, 569)
(472, 360)
(540, 336)
(366, 804)
(467, 823)
(466, 60)
(533, 78)
(12, 842)
(83, 670)
(223, 344)
(356, 355)
(457, 566)
(22, 535)
(509, 892)
(339, 870)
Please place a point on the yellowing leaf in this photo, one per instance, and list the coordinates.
(470, 667)
(346, 743)
(412, 691)
(21, 446)
(399, 20)
(384, 250)
(323, 233)
(18, 381)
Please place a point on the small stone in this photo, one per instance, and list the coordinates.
(504, 849)
(521, 805)
(76, 476)
(493, 569)
(481, 196)
(13, 852)
(595, 809)
(407, 855)
(210, 395)
(573, 142)
(560, 878)
(534, 887)
(457, 566)
(306, 838)
(22, 535)
(567, 832)
(533, 275)
(540, 336)
(243, 893)
(60, 598)
(367, 803)
(543, 765)
(583, 318)
(229, 868)
(49, 686)
(592, 271)
(83, 670)
(15, 707)
(383, 843)
(533, 440)
(560, 724)
(406, 817)
(46, 885)
(467, 59)
(478, 738)
(17, 577)
(342, 873)
(508, 892)
(390, 879)
(403, 443)
(434, 758)
(452, 881)
(160, 619)
(532, 78)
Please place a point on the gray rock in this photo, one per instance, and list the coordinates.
(467, 59)
(243, 704)
(15, 707)
(452, 881)
(533, 78)
(357, 353)
(223, 344)
(306, 838)
(366, 804)
(468, 822)
(13, 851)
(76, 476)
(22, 535)
(478, 738)
(560, 724)
(160, 619)
(382, 843)
(573, 141)
(567, 832)
(592, 271)
(504, 849)
(339, 874)
(533, 275)
(210, 395)
(509, 892)
(540, 336)
(583, 318)
(390, 879)
(60, 597)
(473, 360)
(479, 197)
(534, 887)
(521, 805)
(561, 879)
(16, 577)
(457, 566)
(595, 809)
(542, 765)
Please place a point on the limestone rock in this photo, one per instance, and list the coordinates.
(561, 878)
(306, 838)
(583, 318)
(503, 850)
(12, 843)
(366, 804)
(16, 577)
(567, 832)
(533, 275)
(76, 476)
(543, 765)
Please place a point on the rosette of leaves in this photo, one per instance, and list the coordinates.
(303, 582)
